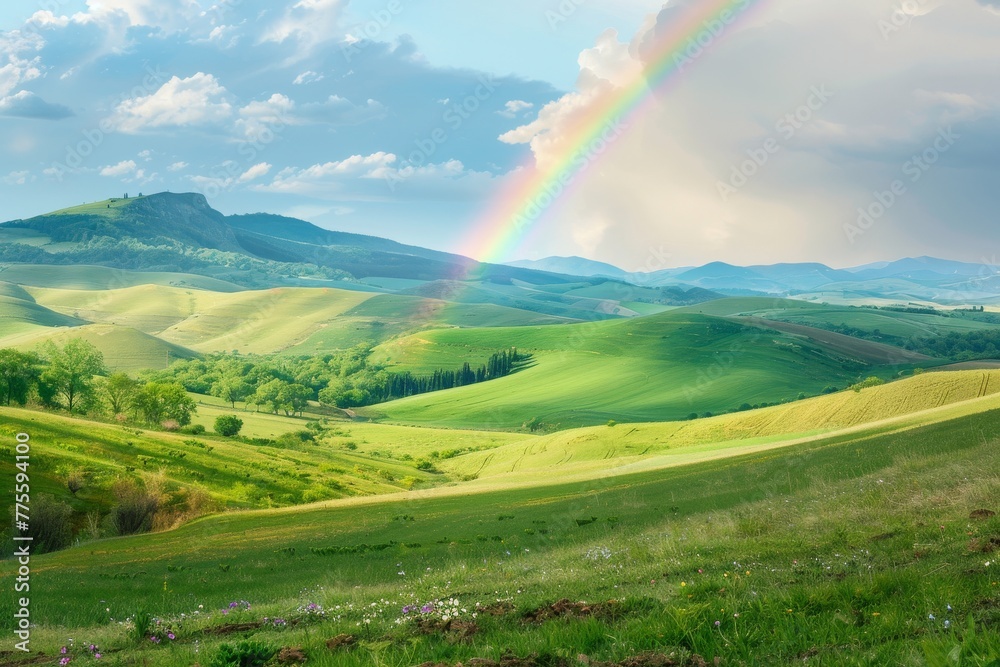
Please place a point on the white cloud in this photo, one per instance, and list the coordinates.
(28, 105)
(656, 186)
(515, 107)
(309, 23)
(255, 172)
(166, 14)
(378, 176)
(259, 118)
(17, 177)
(123, 168)
(20, 50)
(308, 77)
(45, 18)
(196, 100)
(319, 176)
(178, 166)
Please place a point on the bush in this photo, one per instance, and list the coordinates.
(870, 382)
(135, 509)
(228, 425)
(194, 429)
(50, 524)
(249, 653)
(295, 439)
(171, 425)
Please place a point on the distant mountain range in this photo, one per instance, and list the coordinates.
(920, 278)
(182, 233)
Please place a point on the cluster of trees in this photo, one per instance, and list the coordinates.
(74, 377)
(345, 380)
(956, 346)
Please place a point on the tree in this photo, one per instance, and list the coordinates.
(119, 392)
(228, 425)
(162, 401)
(19, 372)
(72, 369)
(267, 394)
(232, 388)
(294, 398)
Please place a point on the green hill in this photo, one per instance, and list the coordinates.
(183, 233)
(923, 399)
(656, 368)
(84, 277)
(124, 349)
(859, 548)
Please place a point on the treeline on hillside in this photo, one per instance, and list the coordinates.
(956, 346)
(168, 255)
(73, 377)
(347, 379)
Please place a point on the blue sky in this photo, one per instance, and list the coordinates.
(408, 119)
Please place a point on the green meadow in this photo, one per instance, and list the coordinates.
(692, 486)
(658, 368)
(859, 548)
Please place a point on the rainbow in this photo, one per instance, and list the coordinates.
(535, 191)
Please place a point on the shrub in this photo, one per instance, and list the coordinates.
(295, 439)
(194, 429)
(612, 423)
(135, 509)
(228, 425)
(249, 653)
(171, 425)
(50, 525)
(870, 382)
(74, 482)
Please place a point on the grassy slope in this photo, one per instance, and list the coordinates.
(925, 399)
(390, 315)
(293, 320)
(656, 368)
(103, 278)
(250, 321)
(812, 551)
(233, 473)
(903, 325)
(124, 349)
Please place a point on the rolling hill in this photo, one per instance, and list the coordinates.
(173, 222)
(656, 368)
(810, 540)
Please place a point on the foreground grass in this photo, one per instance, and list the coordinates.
(857, 549)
